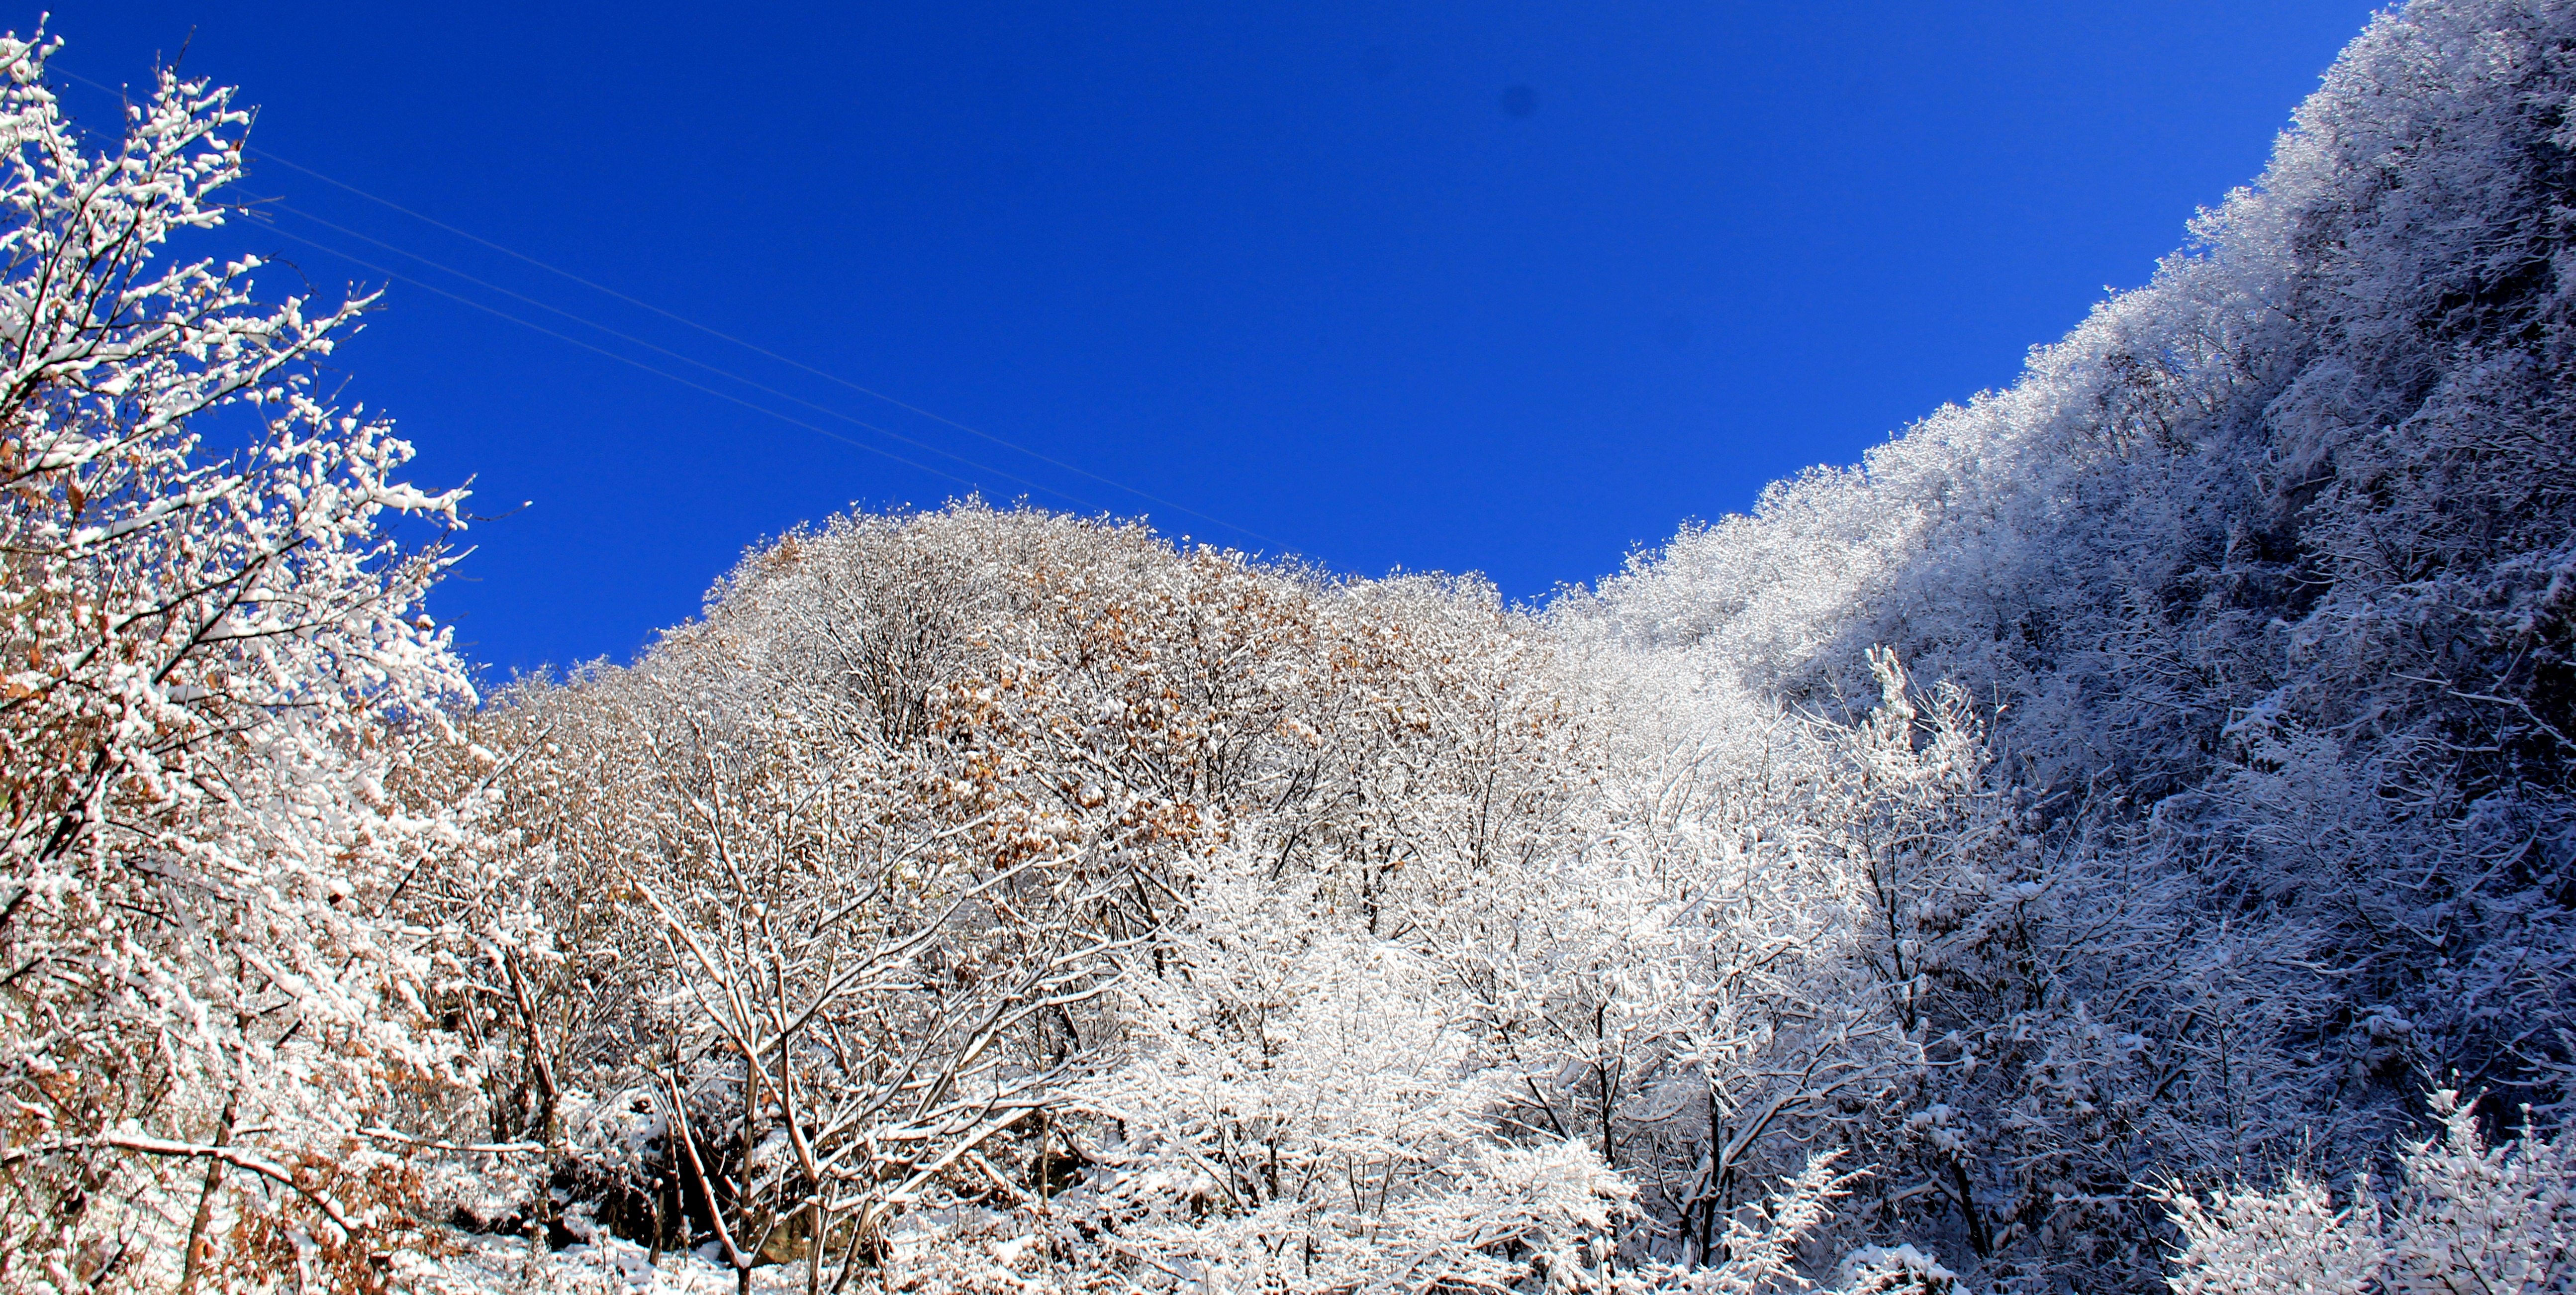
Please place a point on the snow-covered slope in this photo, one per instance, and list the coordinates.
(2276, 552)
(2153, 778)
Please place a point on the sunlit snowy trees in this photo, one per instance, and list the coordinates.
(2464, 1217)
(2146, 781)
(216, 674)
(2061, 853)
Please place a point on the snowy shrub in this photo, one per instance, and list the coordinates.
(2466, 1217)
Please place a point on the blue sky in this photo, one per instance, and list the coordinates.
(1495, 287)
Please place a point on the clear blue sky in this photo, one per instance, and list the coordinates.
(1317, 270)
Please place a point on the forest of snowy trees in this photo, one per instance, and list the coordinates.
(2119, 837)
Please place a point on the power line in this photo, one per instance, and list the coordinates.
(280, 205)
(629, 360)
(681, 319)
(753, 347)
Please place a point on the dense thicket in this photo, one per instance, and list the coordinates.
(2119, 834)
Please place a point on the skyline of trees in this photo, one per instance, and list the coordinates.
(2121, 826)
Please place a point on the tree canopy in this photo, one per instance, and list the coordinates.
(2118, 836)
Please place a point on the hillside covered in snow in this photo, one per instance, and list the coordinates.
(2120, 836)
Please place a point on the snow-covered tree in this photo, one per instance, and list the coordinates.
(2122, 787)
(2465, 1217)
(216, 676)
